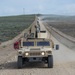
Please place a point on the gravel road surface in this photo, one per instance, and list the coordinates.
(64, 62)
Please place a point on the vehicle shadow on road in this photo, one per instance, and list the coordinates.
(13, 65)
(34, 65)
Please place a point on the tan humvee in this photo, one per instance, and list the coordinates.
(35, 50)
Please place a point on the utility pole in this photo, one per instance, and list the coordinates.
(23, 11)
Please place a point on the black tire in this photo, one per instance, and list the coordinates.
(50, 61)
(20, 62)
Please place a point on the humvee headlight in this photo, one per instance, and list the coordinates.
(26, 54)
(43, 53)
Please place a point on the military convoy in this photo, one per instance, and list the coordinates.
(35, 49)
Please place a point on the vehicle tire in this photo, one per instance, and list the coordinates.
(20, 62)
(50, 61)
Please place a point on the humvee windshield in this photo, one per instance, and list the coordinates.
(28, 43)
(43, 43)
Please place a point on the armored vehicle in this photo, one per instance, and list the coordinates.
(35, 47)
(35, 50)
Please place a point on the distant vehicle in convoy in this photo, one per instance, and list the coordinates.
(35, 50)
(42, 34)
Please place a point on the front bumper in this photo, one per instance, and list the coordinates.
(36, 59)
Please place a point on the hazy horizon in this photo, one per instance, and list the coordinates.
(20, 7)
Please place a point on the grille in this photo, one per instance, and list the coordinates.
(35, 54)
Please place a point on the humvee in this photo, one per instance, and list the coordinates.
(35, 50)
(42, 34)
(35, 47)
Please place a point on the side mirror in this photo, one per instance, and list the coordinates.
(56, 47)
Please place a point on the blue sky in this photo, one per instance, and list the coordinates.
(17, 7)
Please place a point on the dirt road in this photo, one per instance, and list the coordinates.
(64, 62)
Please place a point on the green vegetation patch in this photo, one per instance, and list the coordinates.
(14, 25)
(66, 24)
